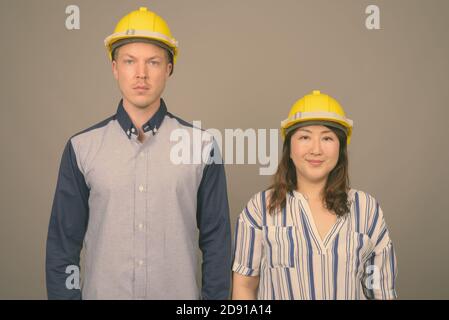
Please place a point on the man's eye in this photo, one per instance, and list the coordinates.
(154, 63)
(128, 61)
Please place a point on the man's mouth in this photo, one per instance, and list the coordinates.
(141, 87)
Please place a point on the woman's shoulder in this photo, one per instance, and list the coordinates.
(363, 203)
(356, 195)
(360, 194)
(256, 207)
(261, 199)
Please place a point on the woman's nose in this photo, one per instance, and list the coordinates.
(316, 147)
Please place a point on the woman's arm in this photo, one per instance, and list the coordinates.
(244, 287)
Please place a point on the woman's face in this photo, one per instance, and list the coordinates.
(314, 150)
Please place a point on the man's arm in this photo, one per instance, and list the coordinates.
(68, 224)
(215, 231)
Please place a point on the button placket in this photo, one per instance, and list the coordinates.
(140, 283)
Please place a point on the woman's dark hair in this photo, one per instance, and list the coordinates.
(337, 184)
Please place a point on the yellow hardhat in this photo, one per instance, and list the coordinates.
(317, 108)
(144, 24)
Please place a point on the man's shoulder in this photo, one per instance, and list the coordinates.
(195, 127)
(179, 121)
(98, 125)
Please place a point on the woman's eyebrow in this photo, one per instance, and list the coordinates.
(322, 132)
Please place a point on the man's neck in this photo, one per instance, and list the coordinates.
(139, 116)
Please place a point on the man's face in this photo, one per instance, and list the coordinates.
(141, 70)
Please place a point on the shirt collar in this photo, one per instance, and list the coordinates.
(152, 124)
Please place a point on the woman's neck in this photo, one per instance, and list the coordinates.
(313, 191)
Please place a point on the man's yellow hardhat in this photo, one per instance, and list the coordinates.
(143, 24)
(317, 108)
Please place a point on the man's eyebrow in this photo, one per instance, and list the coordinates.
(152, 57)
(155, 57)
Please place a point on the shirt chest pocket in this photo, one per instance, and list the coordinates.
(354, 248)
(280, 246)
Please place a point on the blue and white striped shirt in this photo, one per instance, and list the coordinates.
(356, 260)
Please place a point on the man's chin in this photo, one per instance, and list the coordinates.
(144, 103)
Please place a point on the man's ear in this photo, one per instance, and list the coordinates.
(169, 69)
(114, 69)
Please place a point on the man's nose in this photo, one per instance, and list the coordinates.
(141, 72)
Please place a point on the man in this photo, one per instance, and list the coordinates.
(137, 211)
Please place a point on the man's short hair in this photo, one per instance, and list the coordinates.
(169, 51)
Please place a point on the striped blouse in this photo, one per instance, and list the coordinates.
(355, 260)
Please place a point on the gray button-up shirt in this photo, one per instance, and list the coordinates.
(140, 216)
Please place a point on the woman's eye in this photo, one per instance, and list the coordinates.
(303, 138)
(328, 139)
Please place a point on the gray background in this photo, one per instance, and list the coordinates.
(242, 64)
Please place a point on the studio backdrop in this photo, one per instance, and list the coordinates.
(241, 65)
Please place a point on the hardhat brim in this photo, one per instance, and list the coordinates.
(141, 34)
(309, 122)
(122, 42)
(316, 122)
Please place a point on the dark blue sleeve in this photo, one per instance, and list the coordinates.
(215, 232)
(68, 224)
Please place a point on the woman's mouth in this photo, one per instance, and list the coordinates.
(315, 163)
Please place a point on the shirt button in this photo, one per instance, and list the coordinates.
(140, 262)
(140, 226)
(142, 155)
(141, 188)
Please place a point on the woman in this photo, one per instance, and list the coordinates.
(310, 236)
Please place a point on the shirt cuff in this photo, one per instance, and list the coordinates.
(244, 270)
